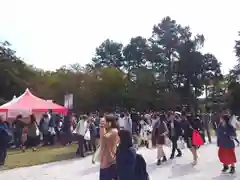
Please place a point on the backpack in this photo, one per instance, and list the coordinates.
(140, 172)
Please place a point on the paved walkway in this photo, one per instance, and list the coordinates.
(208, 168)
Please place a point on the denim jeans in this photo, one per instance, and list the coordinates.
(3, 154)
(109, 173)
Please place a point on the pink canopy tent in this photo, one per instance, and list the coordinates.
(27, 103)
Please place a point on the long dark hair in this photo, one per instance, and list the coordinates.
(163, 118)
(125, 139)
(33, 118)
(113, 119)
(227, 120)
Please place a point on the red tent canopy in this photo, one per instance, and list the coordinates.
(27, 102)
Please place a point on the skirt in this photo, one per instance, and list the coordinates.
(32, 141)
(161, 140)
(227, 156)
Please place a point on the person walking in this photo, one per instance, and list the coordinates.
(81, 129)
(108, 144)
(226, 135)
(33, 135)
(18, 126)
(93, 135)
(160, 132)
(207, 121)
(190, 126)
(44, 128)
(175, 131)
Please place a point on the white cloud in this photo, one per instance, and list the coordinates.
(50, 33)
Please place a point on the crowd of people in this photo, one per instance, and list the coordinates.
(116, 137)
(160, 128)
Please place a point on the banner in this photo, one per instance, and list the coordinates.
(68, 101)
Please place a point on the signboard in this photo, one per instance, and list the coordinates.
(68, 101)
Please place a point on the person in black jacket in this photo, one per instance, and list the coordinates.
(140, 168)
(4, 140)
(18, 126)
(135, 122)
(66, 129)
(175, 131)
(135, 127)
(93, 134)
(125, 157)
(189, 125)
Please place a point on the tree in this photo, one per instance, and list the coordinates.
(109, 54)
(135, 54)
(233, 95)
(160, 72)
(14, 73)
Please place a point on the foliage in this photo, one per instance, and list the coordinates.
(233, 82)
(162, 71)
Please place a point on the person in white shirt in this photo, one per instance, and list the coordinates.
(80, 131)
(147, 116)
(125, 122)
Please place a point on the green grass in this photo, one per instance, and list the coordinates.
(17, 158)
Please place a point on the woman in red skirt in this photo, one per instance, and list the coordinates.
(225, 141)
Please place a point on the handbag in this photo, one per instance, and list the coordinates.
(168, 142)
(51, 130)
(37, 132)
(87, 135)
(181, 144)
(197, 139)
(96, 155)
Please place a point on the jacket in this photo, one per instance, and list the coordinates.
(225, 136)
(32, 130)
(125, 161)
(4, 136)
(125, 123)
(140, 168)
(81, 127)
(159, 128)
(176, 131)
(92, 129)
(189, 126)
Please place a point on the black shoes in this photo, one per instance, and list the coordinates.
(164, 159)
(232, 170)
(159, 161)
(178, 155)
(226, 168)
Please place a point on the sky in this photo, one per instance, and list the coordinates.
(52, 33)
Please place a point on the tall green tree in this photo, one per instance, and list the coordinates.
(109, 54)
